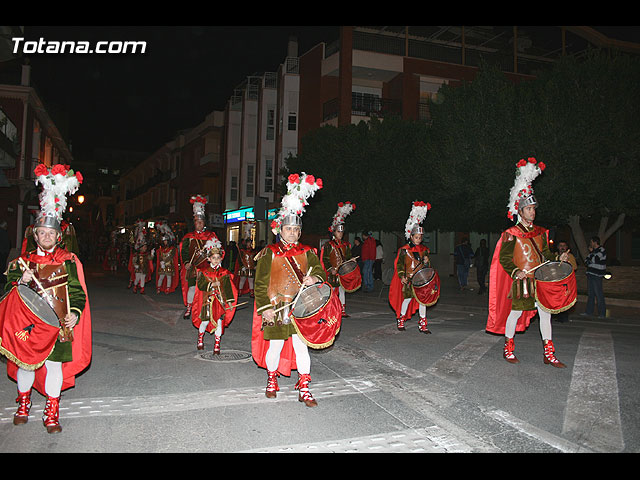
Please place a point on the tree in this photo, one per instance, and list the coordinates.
(381, 166)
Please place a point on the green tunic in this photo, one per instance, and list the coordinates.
(518, 301)
(263, 277)
(204, 285)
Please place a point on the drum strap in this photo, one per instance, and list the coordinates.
(291, 261)
(533, 243)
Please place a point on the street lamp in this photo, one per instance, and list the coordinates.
(80, 199)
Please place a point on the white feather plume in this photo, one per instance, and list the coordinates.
(299, 188)
(526, 172)
(344, 209)
(416, 216)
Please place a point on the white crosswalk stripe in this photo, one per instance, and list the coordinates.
(592, 415)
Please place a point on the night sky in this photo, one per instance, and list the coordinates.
(139, 101)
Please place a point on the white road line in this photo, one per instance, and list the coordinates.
(523, 427)
(456, 363)
(159, 404)
(592, 415)
(420, 440)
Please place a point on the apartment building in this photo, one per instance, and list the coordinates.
(28, 136)
(159, 187)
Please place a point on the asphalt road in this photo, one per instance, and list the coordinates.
(378, 389)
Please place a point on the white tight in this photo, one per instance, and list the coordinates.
(140, 279)
(303, 360)
(244, 280)
(162, 277)
(52, 383)
(204, 325)
(422, 309)
(190, 294)
(545, 323)
(341, 294)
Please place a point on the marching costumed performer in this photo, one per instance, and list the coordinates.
(190, 248)
(415, 284)
(141, 259)
(520, 250)
(286, 271)
(245, 269)
(343, 272)
(167, 260)
(215, 300)
(47, 349)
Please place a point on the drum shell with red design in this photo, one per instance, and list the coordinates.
(556, 287)
(349, 276)
(426, 286)
(317, 315)
(29, 328)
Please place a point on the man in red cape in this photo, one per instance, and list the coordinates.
(337, 251)
(279, 341)
(167, 261)
(190, 244)
(46, 267)
(215, 300)
(519, 251)
(404, 298)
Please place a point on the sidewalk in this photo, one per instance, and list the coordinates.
(617, 309)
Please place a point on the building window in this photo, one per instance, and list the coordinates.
(271, 115)
(292, 122)
(250, 180)
(234, 188)
(268, 174)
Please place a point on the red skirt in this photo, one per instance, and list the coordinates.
(25, 339)
(556, 296)
(428, 294)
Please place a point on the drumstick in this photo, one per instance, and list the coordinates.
(24, 265)
(534, 268)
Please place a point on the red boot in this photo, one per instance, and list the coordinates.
(549, 356)
(272, 384)
(200, 341)
(24, 406)
(400, 322)
(422, 325)
(216, 346)
(344, 312)
(50, 416)
(187, 314)
(304, 395)
(509, 347)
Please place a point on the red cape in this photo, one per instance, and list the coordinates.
(132, 271)
(236, 272)
(175, 279)
(204, 235)
(198, 299)
(500, 285)
(395, 289)
(81, 346)
(259, 345)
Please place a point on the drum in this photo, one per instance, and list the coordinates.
(426, 286)
(555, 288)
(199, 257)
(29, 328)
(349, 276)
(422, 277)
(317, 315)
(311, 300)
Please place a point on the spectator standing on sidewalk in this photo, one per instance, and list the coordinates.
(481, 259)
(368, 256)
(596, 263)
(463, 255)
